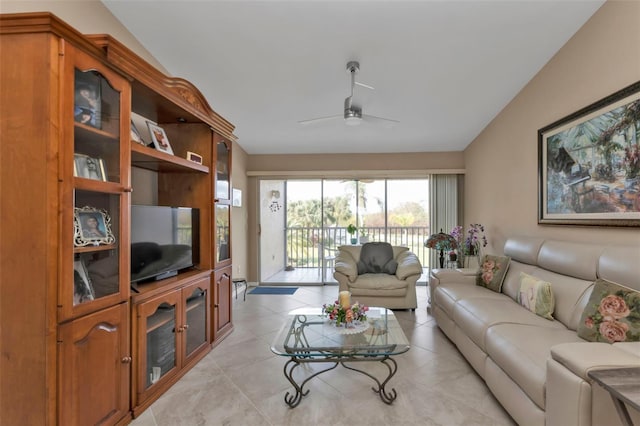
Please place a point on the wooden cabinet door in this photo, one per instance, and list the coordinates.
(196, 302)
(94, 367)
(158, 339)
(222, 303)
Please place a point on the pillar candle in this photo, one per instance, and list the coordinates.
(344, 298)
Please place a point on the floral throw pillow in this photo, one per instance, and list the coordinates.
(492, 272)
(611, 315)
(536, 295)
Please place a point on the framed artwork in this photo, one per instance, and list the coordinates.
(89, 167)
(236, 199)
(92, 227)
(135, 134)
(87, 99)
(159, 138)
(589, 164)
(82, 287)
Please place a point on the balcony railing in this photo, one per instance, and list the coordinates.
(308, 246)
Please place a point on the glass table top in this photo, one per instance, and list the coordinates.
(308, 332)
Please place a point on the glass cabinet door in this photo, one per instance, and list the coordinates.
(223, 172)
(223, 232)
(196, 299)
(96, 165)
(159, 322)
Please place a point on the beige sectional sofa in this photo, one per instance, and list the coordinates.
(397, 291)
(537, 368)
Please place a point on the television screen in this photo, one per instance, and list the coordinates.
(163, 241)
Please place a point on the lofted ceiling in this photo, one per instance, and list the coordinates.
(444, 69)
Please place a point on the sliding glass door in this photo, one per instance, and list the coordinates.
(302, 227)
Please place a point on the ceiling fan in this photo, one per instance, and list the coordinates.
(352, 115)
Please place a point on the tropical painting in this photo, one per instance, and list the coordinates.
(590, 164)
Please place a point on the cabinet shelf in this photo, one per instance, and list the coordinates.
(97, 185)
(152, 159)
(91, 249)
(160, 318)
(91, 133)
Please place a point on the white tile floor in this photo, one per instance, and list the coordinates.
(241, 382)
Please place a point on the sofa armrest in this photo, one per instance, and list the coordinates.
(408, 264)
(571, 397)
(581, 357)
(346, 265)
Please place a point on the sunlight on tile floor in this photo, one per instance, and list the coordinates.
(241, 382)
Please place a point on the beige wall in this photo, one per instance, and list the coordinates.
(502, 162)
(86, 16)
(239, 215)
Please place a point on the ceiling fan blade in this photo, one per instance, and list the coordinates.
(320, 119)
(364, 85)
(379, 120)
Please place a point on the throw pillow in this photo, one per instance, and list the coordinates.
(492, 272)
(611, 315)
(377, 258)
(536, 295)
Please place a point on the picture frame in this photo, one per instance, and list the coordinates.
(92, 227)
(159, 138)
(82, 287)
(236, 199)
(89, 167)
(589, 164)
(135, 134)
(87, 99)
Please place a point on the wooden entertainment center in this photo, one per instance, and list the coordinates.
(81, 344)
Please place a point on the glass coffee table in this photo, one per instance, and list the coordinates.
(309, 337)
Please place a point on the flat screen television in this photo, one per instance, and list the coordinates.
(164, 241)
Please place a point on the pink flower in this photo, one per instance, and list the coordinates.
(349, 315)
(614, 331)
(588, 322)
(613, 306)
(489, 265)
(487, 276)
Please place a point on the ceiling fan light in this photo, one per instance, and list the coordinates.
(352, 121)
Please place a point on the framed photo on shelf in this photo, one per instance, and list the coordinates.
(89, 167)
(87, 99)
(589, 164)
(92, 227)
(159, 138)
(135, 134)
(82, 287)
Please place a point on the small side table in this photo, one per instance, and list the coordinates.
(623, 384)
(236, 282)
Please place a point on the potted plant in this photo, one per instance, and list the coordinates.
(351, 229)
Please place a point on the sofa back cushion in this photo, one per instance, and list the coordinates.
(377, 258)
(570, 268)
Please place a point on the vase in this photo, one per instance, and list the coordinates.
(354, 241)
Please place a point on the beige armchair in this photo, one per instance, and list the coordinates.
(393, 291)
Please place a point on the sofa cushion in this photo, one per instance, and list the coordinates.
(522, 351)
(475, 315)
(536, 295)
(446, 295)
(378, 282)
(377, 258)
(492, 272)
(612, 314)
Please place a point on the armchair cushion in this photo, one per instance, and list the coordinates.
(376, 258)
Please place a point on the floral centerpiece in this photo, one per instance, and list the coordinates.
(349, 315)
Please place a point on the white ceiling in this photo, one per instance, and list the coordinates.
(444, 69)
